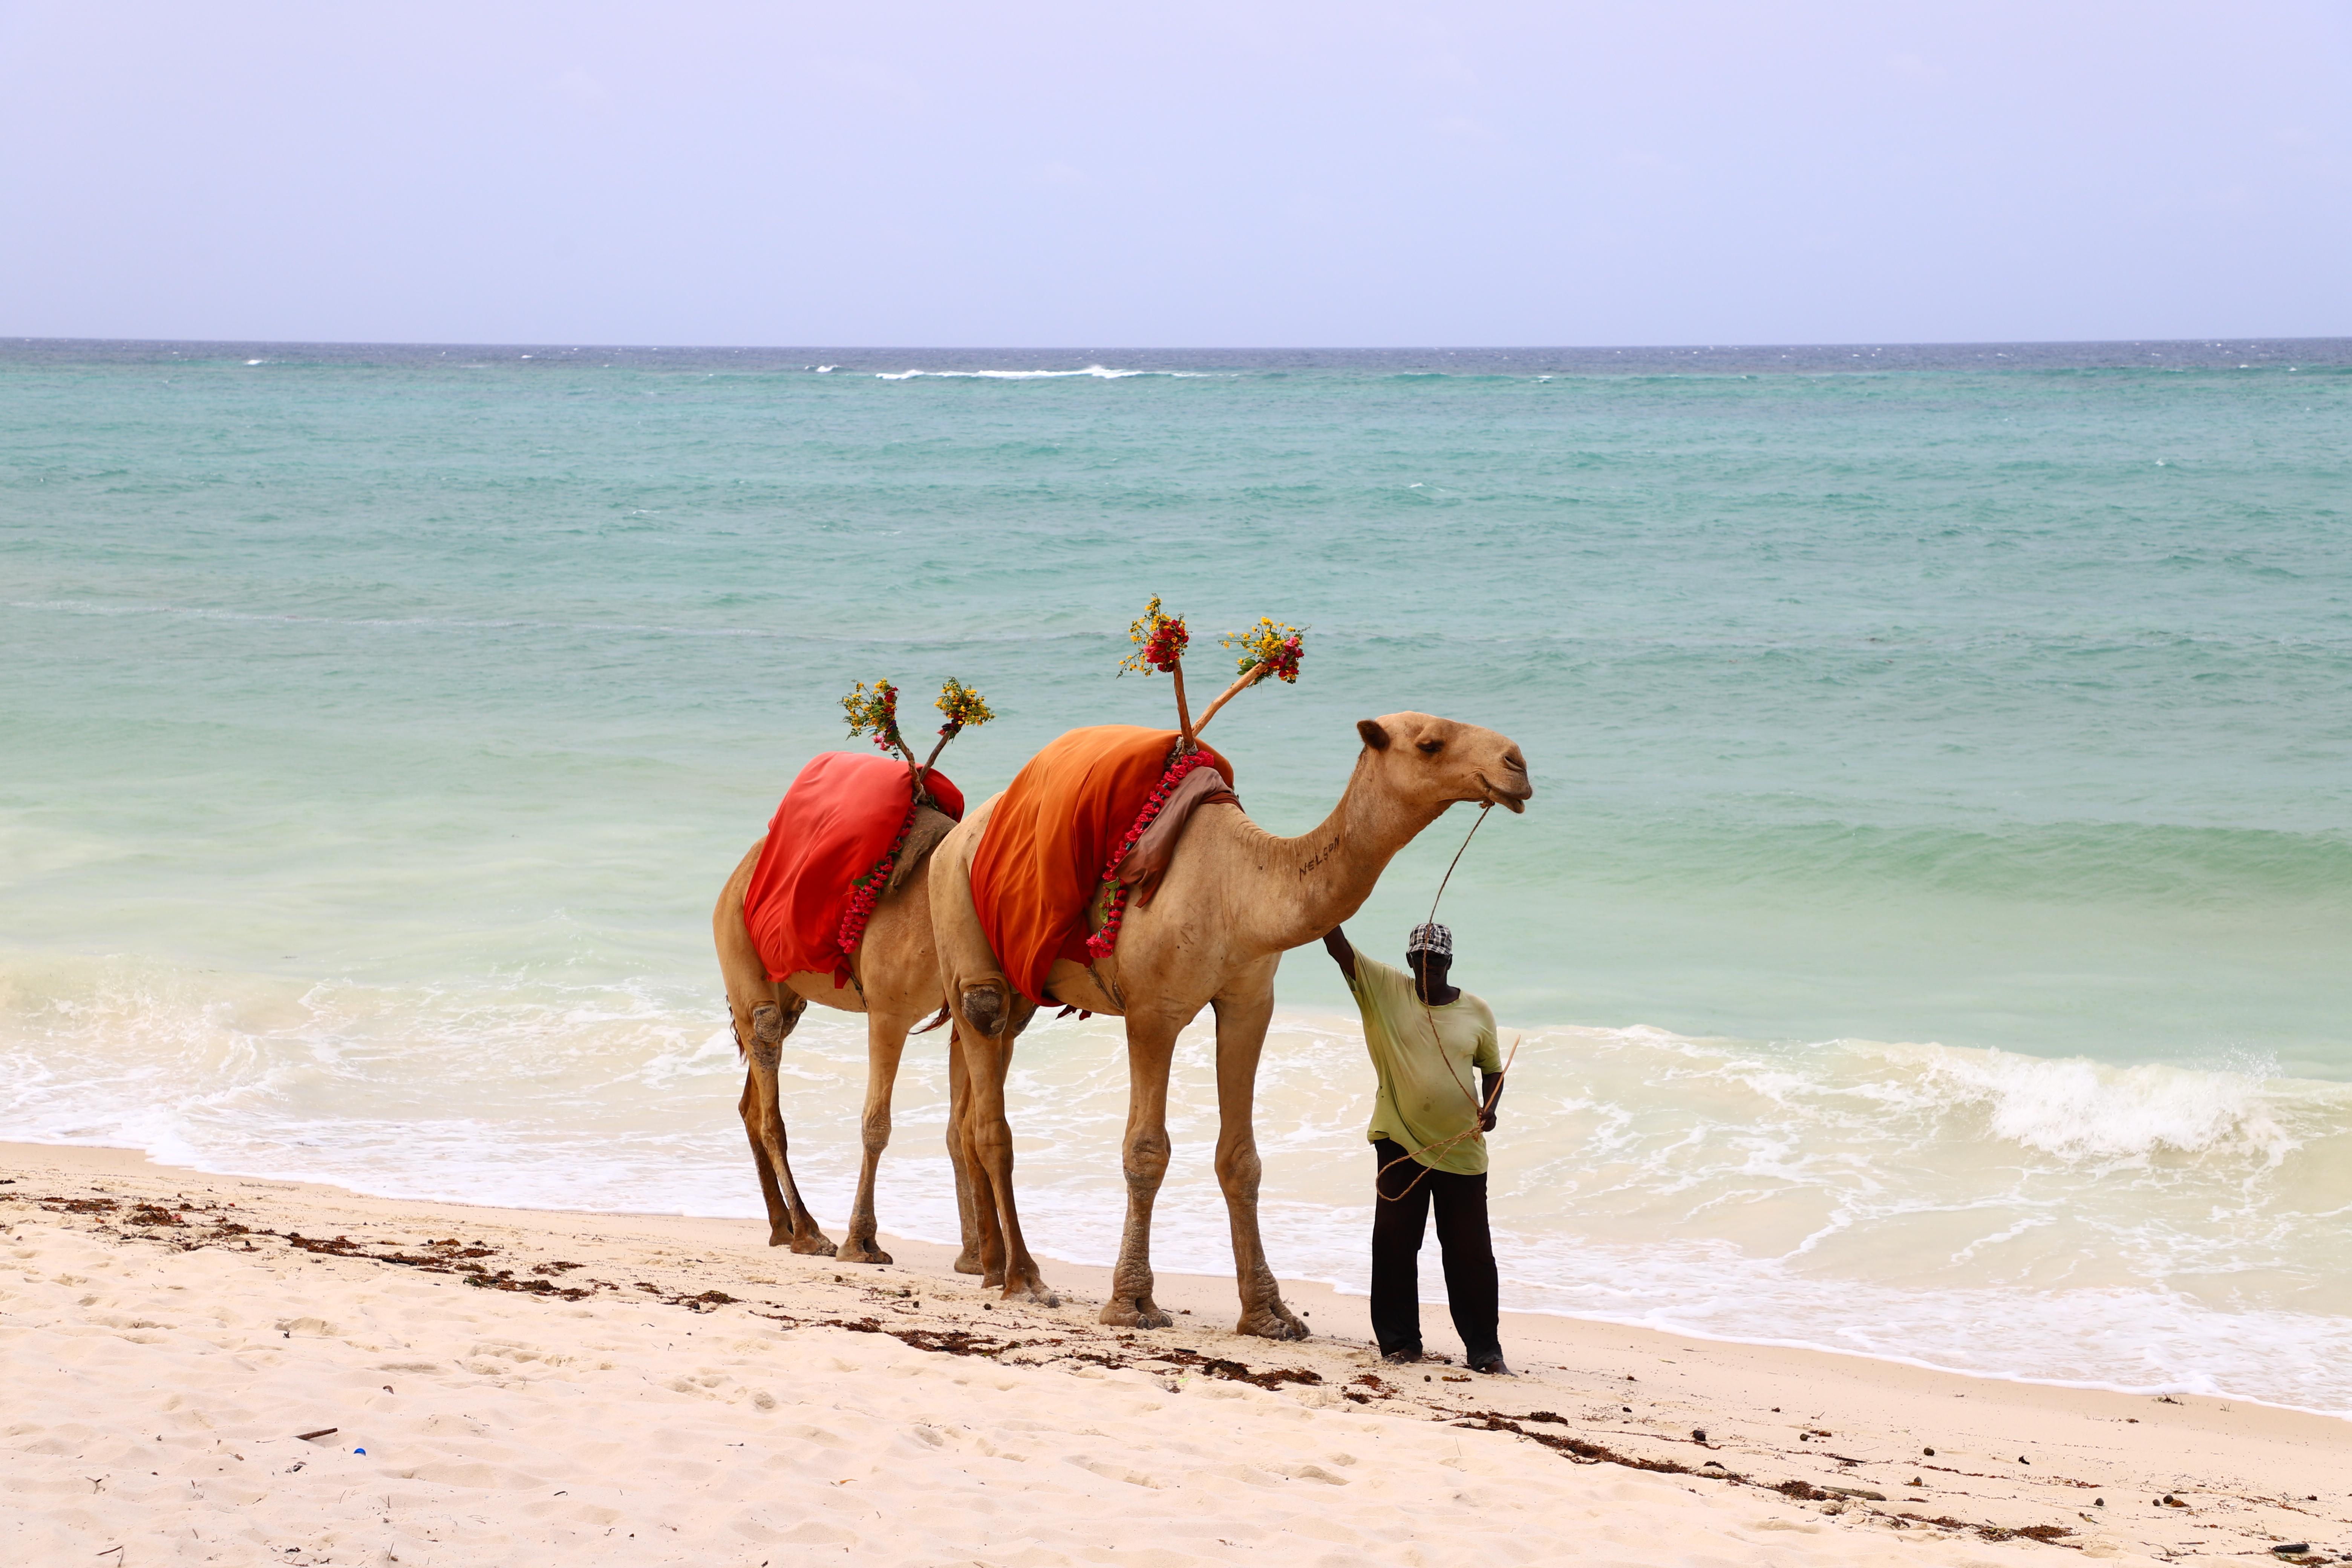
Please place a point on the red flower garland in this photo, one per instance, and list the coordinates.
(867, 891)
(1099, 945)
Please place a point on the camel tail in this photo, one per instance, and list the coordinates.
(936, 1022)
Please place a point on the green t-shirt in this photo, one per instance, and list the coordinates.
(1429, 1086)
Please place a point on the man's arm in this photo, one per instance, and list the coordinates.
(1490, 1095)
(1489, 1059)
(1335, 943)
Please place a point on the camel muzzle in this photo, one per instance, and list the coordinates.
(1515, 804)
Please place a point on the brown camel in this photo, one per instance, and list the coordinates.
(895, 983)
(1234, 898)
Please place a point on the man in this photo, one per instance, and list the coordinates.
(1428, 1131)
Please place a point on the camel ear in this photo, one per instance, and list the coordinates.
(1374, 736)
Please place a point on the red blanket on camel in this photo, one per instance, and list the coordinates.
(1041, 861)
(845, 813)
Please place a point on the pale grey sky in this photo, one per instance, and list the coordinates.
(1225, 173)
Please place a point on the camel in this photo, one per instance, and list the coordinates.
(1234, 898)
(893, 979)
(895, 983)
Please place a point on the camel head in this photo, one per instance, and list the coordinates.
(1432, 762)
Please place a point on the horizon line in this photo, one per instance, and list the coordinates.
(580, 345)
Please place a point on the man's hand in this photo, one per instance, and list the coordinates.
(1491, 1095)
(1335, 943)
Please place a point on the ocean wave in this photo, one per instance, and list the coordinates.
(1097, 372)
(2083, 1110)
(864, 634)
(2168, 866)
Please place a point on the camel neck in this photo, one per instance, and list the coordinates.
(1319, 878)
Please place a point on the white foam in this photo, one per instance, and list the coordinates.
(2138, 1228)
(2084, 1109)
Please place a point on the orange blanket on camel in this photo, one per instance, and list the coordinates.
(1041, 861)
(842, 816)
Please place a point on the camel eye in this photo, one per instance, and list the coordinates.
(1431, 748)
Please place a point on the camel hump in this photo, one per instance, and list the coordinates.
(924, 837)
(1148, 861)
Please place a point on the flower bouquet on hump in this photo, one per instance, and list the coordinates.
(1268, 648)
(876, 713)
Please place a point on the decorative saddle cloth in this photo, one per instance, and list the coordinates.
(831, 848)
(1070, 820)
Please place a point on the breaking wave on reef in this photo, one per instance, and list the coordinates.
(1098, 372)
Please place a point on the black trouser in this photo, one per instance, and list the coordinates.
(1399, 1219)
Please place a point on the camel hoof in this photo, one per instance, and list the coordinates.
(1036, 1292)
(813, 1245)
(993, 1279)
(1134, 1312)
(1275, 1323)
(856, 1251)
(967, 1262)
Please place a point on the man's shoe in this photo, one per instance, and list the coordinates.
(1403, 1358)
(1492, 1365)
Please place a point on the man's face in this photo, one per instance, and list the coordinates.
(1429, 968)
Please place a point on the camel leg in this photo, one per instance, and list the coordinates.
(885, 1042)
(989, 1016)
(1241, 1036)
(1150, 1047)
(968, 1261)
(989, 1148)
(763, 1013)
(988, 1236)
(765, 1048)
(780, 1219)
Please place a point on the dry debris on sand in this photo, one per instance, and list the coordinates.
(212, 1369)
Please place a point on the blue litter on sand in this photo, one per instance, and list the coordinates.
(358, 1450)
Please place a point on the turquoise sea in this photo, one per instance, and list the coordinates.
(1931, 938)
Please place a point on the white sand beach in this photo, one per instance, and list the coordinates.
(644, 1389)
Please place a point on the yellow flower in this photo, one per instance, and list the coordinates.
(964, 707)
